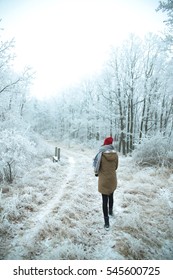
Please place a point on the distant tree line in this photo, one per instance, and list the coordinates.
(131, 99)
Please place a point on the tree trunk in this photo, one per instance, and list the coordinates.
(131, 125)
(142, 121)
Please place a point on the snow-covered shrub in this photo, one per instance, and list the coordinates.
(13, 120)
(43, 147)
(157, 150)
(16, 152)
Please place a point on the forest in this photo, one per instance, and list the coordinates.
(131, 99)
(52, 210)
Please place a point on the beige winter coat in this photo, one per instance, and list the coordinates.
(107, 181)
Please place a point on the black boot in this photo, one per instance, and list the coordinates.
(106, 226)
(110, 212)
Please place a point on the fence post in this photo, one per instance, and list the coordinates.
(58, 153)
(56, 157)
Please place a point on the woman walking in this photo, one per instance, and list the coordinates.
(105, 166)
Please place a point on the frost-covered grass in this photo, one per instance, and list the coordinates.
(55, 212)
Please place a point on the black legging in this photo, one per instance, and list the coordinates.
(107, 199)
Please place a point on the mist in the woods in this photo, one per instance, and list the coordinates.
(130, 97)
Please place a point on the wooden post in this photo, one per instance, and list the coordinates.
(56, 157)
(58, 153)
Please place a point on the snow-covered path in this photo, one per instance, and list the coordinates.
(64, 215)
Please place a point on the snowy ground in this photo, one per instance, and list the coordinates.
(55, 212)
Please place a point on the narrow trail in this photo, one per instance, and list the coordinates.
(37, 221)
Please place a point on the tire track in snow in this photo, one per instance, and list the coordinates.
(31, 228)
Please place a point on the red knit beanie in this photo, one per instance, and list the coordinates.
(108, 141)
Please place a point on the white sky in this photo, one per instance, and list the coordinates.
(66, 40)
